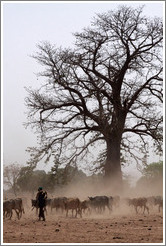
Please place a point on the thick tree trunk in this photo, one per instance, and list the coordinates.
(113, 173)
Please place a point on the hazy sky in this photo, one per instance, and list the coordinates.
(24, 24)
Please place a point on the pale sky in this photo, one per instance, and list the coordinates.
(24, 25)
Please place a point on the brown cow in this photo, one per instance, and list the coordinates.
(73, 204)
(85, 206)
(158, 200)
(139, 202)
(154, 201)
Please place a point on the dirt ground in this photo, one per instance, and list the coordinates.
(121, 226)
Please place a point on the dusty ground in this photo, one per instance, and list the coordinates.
(119, 227)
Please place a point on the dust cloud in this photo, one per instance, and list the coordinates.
(84, 188)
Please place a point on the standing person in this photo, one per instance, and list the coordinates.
(41, 201)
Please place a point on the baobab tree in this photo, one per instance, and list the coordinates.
(106, 91)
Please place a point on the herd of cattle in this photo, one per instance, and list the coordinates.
(97, 204)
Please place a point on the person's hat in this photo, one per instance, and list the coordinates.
(40, 188)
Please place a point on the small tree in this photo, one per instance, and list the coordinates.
(154, 171)
(11, 174)
(30, 179)
(24, 180)
(152, 178)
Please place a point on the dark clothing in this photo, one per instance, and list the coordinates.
(41, 201)
(41, 213)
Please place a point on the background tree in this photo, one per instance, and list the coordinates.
(30, 179)
(64, 176)
(10, 176)
(24, 178)
(152, 178)
(154, 170)
(104, 96)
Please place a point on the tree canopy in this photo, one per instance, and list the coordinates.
(152, 178)
(29, 179)
(104, 96)
(154, 170)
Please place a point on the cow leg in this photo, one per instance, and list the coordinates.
(76, 214)
(109, 208)
(80, 213)
(7, 214)
(144, 209)
(20, 214)
(11, 213)
(21, 211)
(4, 214)
(45, 210)
(17, 213)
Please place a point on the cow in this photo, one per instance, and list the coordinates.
(99, 203)
(155, 200)
(34, 203)
(158, 200)
(58, 203)
(139, 202)
(85, 206)
(7, 209)
(150, 201)
(73, 204)
(13, 204)
(18, 206)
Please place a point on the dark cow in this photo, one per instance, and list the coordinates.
(34, 203)
(98, 203)
(139, 202)
(18, 206)
(7, 209)
(73, 204)
(58, 203)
